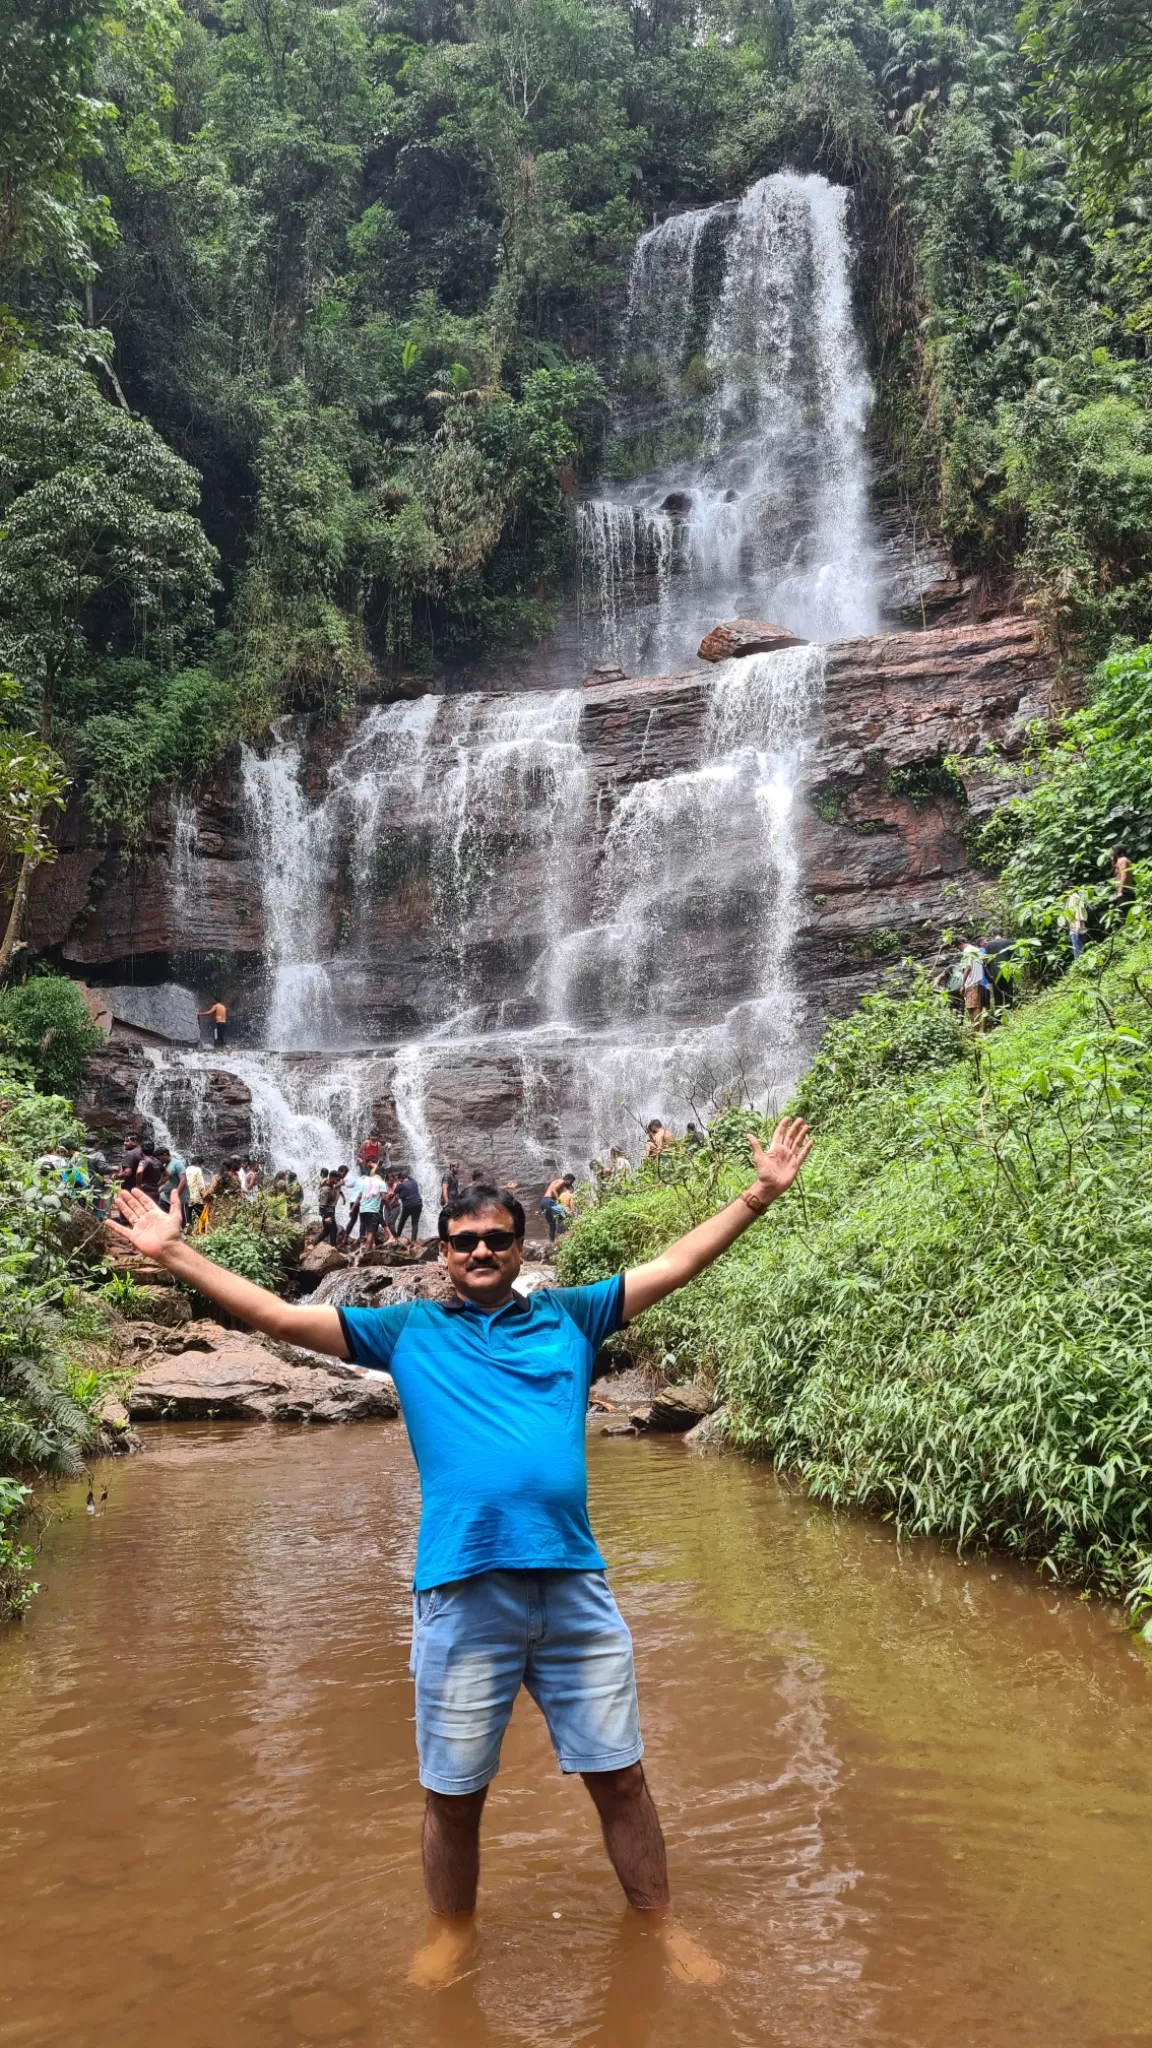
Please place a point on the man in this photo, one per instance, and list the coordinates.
(328, 1197)
(659, 1139)
(371, 1204)
(411, 1203)
(450, 1185)
(972, 984)
(197, 1182)
(175, 1176)
(509, 1585)
(350, 1186)
(219, 1015)
(130, 1160)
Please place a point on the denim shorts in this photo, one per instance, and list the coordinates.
(476, 1641)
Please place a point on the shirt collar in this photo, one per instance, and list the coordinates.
(520, 1305)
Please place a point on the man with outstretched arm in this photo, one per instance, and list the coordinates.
(509, 1586)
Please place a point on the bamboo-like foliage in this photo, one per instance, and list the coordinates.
(953, 1326)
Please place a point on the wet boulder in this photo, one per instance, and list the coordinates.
(241, 1378)
(677, 1409)
(710, 1433)
(322, 1259)
(737, 637)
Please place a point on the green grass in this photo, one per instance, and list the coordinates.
(952, 1323)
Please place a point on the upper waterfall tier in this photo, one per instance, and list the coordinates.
(744, 396)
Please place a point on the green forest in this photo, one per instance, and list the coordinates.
(310, 327)
(309, 320)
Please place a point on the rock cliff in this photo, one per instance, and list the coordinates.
(881, 841)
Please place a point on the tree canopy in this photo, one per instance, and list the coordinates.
(335, 292)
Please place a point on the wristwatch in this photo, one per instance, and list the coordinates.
(757, 1202)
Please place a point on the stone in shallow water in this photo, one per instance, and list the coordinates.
(679, 1408)
(711, 1433)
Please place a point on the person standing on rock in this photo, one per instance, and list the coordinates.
(371, 1209)
(509, 1586)
(328, 1197)
(411, 1205)
(219, 1015)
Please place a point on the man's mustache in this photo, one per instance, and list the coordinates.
(483, 1266)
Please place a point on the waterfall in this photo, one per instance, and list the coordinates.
(769, 517)
(294, 863)
(476, 936)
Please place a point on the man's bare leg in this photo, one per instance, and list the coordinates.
(451, 1851)
(634, 1840)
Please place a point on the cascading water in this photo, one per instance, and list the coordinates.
(768, 517)
(531, 957)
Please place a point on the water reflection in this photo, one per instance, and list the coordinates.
(907, 1799)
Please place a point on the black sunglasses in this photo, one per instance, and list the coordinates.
(468, 1240)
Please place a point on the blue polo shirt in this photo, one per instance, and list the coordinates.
(494, 1407)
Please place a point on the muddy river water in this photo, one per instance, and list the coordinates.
(908, 1800)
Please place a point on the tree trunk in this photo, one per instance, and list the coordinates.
(8, 945)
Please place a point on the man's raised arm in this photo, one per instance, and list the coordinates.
(155, 1234)
(776, 1169)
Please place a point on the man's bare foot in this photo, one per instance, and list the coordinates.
(688, 1962)
(445, 1953)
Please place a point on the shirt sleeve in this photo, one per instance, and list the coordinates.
(372, 1334)
(597, 1310)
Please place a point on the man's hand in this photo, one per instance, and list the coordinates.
(150, 1231)
(776, 1168)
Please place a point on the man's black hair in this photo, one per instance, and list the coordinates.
(474, 1200)
(1119, 853)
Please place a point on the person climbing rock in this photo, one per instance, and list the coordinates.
(553, 1209)
(972, 984)
(219, 1015)
(509, 1588)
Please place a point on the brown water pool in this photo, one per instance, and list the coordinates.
(907, 1799)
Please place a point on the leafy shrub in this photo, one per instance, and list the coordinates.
(1093, 791)
(950, 1325)
(17, 1586)
(46, 1022)
(906, 1027)
(253, 1242)
(41, 1423)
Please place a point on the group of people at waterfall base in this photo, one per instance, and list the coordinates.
(158, 1173)
(509, 1588)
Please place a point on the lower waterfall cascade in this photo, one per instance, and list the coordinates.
(611, 1021)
